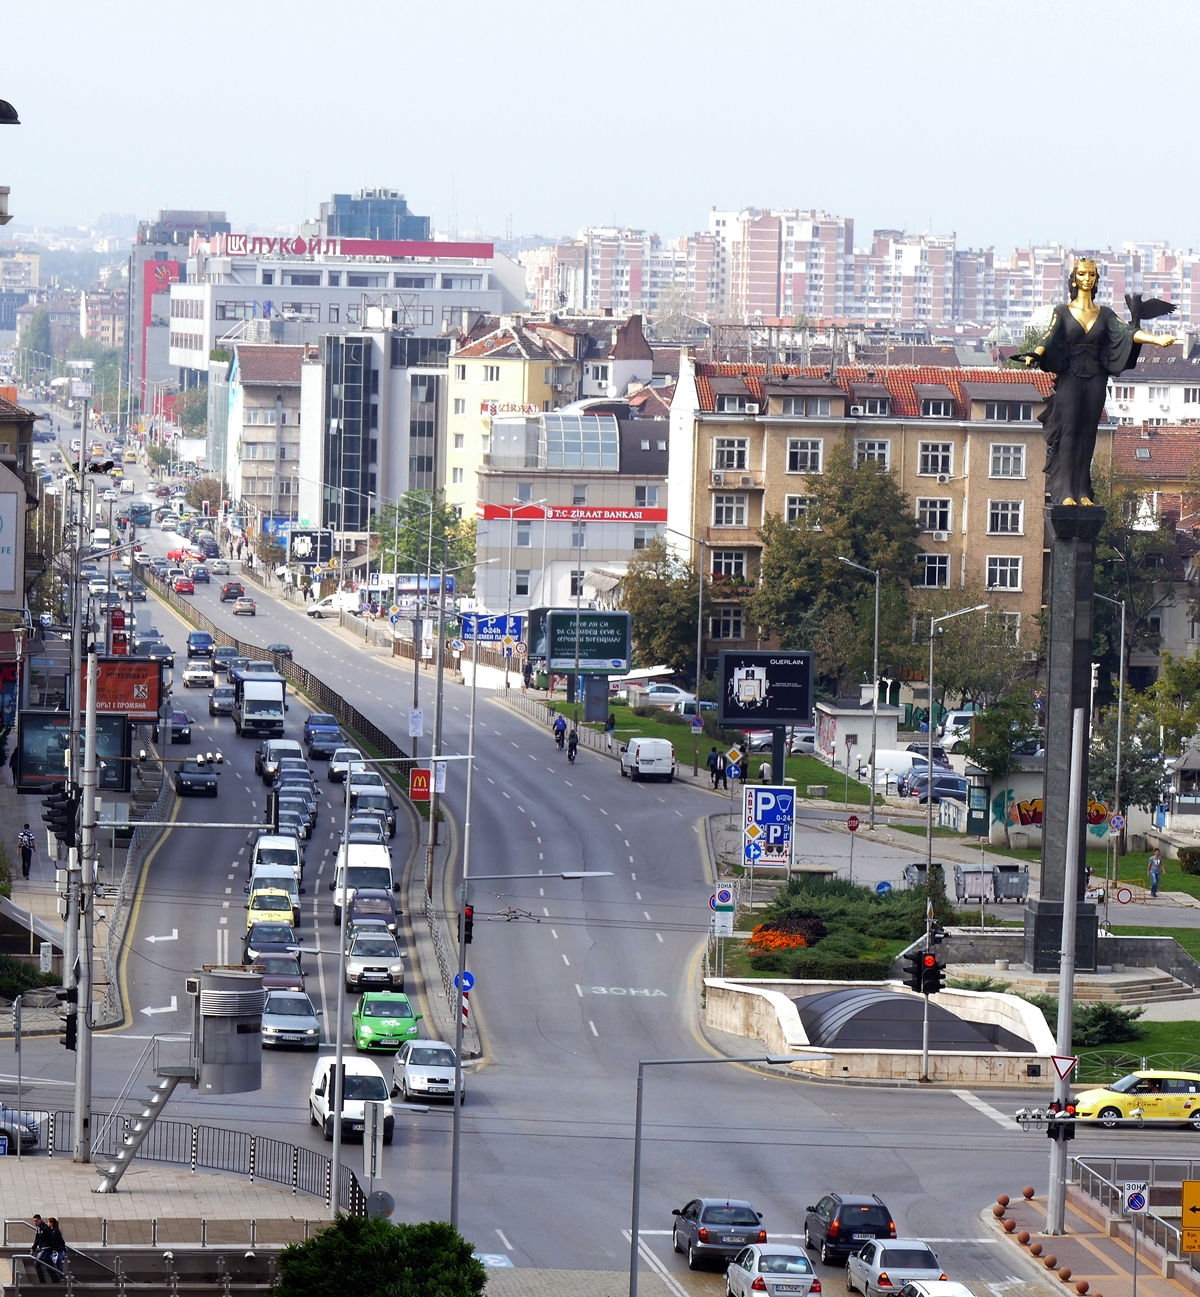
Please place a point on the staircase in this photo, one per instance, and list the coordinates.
(1147, 986)
(160, 1095)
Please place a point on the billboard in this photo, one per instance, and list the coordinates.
(310, 546)
(603, 640)
(762, 688)
(42, 744)
(126, 685)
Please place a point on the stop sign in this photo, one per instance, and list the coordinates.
(852, 824)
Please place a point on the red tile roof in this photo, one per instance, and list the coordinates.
(278, 365)
(15, 413)
(1174, 452)
(900, 380)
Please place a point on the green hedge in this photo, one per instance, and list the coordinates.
(817, 965)
(1189, 859)
(17, 976)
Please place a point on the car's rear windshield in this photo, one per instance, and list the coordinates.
(400, 1008)
(774, 1263)
(729, 1216)
(369, 876)
(277, 856)
(432, 1057)
(909, 1258)
(273, 932)
(365, 1087)
(372, 802)
(869, 1214)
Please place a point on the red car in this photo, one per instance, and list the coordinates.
(182, 554)
(184, 585)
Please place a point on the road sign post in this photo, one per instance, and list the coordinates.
(373, 1130)
(722, 905)
(1135, 1200)
(852, 825)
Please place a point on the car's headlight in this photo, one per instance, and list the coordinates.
(367, 1031)
(311, 1031)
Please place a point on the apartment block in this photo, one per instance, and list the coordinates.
(102, 315)
(964, 445)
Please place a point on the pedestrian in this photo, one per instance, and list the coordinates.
(609, 726)
(43, 1245)
(711, 763)
(764, 772)
(1155, 869)
(28, 844)
(722, 779)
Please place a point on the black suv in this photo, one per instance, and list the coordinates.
(842, 1222)
(232, 590)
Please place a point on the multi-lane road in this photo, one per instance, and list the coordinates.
(602, 974)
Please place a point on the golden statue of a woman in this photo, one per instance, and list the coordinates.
(1083, 346)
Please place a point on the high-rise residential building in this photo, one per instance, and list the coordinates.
(102, 315)
(19, 270)
(379, 214)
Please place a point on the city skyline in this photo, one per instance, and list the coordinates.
(843, 131)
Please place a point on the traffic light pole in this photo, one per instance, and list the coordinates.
(85, 890)
(1056, 1197)
(925, 994)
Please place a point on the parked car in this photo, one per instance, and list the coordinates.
(288, 1018)
(644, 758)
(424, 1069)
(665, 695)
(773, 1268)
(20, 1123)
(947, 785)
(220, 700)
(939, 753)
(841, 1223)
(192, 779)
(715, 1229)
(244, 607)
(232, 590)
(879, 1268)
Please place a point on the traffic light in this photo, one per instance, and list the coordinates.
(1068, 1127)
(933, 974)
(915, 974)
(70, 996)
(61, 811)
(937, 936)
(207, 508)
(468, 923)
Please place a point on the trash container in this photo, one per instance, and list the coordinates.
(914, 874)
(1010, 883)
(973, 883)
(541, 680)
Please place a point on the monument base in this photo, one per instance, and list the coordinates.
(1043, 936)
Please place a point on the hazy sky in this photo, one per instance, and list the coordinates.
(1004, 122)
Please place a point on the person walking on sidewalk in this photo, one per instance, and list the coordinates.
(27, 844)
(1155, 869)
(711, 763)
(609, 726)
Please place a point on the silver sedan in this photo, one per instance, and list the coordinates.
(773, 1268)
(425, 1069)
(288, 1018)
(884, 1266)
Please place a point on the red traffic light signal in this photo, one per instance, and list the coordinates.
(932, 974)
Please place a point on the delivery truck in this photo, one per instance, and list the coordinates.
(259, 702)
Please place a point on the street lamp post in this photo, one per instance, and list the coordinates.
(871, 571)
(934, 622)
(1119, 603)
(510, 575)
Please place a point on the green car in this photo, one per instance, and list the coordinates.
(384, 1020)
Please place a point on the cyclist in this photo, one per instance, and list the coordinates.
(560, 730)
(572, 745)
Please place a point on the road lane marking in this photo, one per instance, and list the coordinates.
(586, 798)
(230, 889)
(578, 991)
(603, 811)
(633, 876)
(522, 809)
(503, 1240)
(541, 891)
(571, 785)
(647, 914)
(531, 756)
(986, 1108)
(658, 935)
(566, 961)
(593, 1027)
(534, 824)
(554, 934)
(626, 840)
(655, 1264)
(637, 895)
(545, 911)
(505, 794)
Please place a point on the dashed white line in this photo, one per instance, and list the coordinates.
(634, 877)
(593, 1027)
(986, 1108)
(554, 934)
(522, 809)
(626, 840)
(658, 935)
(566, 961)
(490, 781)
(541, 891)
(545, 911)
(228, 890)
(647, 914)
(503, 1240)
(585, 797)
(631, 860)
(579, 990)
(570, 784)
(603, 811)
(503, 793)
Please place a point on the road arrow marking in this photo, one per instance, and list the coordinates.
(170, 1008)
(173, 937)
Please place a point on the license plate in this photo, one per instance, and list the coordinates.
(292, 1037)
(356, 1125)
(789, 1287)
(388, 1040)
(862, 1236)
(732, 1238)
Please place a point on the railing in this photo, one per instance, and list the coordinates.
(1108, 1193)
(212, 1148)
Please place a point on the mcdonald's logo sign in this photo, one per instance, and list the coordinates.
(418, 785)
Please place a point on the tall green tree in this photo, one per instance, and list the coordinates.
(36, 336)
(1144, 778)
(211, 489)
(191, 409)
(1173, 702)
(659, 593)
(401, 538)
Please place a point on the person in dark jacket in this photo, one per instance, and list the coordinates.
(48, 1248)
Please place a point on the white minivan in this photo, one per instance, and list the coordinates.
(360, 864)
(890, 764)
(363, 1083)
(643, 758)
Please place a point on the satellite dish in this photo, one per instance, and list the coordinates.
(380, 1203)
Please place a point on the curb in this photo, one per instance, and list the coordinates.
(1036, 1272)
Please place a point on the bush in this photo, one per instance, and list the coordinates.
(817, 965)
(17, 976)
(1189, 860)
(977, 984)
(1093, 1025)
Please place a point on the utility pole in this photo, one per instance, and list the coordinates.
(435, 800)
(87, 888)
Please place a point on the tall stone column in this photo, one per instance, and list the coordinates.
(1069, 685)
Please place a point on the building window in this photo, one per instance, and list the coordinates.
(1008, 461)
(1005, 517)
(1124, 392)
(579, 493)
(726, 624)
(523, 534)
(937, 409)
(456, 476)
(1010, 623)
(933, 571)
(460, 441)
(460, 405)
(335, 279)
(803, 456)
(877, 406)
(460, 373)
(730, 452)
(731, 404)
(299, 280)
(268, 276)
(935, 458)
(463, 283)
(642, 536)
(873, 451)
(334, 315)
(525, 492)
(1003, 573)
(600, 373)
(1008, 411)
(729, 510)
(579, 535)
(645, 497)
(1158, 395)
(414, 281)
(812, 407)
(576, 585)
(933, 515)
(491, 373)
(522, 586)
(1191, 395)
(801, 511)
(729, 562)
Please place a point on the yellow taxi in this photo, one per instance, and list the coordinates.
(269, 905)
(1160, 1096)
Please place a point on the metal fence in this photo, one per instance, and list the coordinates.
(212, 1148)
(1102, 1180)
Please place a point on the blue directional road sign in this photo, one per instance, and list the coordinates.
(769, 814)
(754, 850)
(734, 771)
(394, 618)
(492, 630)
(468, 981)
(883, 888)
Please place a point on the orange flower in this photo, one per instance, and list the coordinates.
(766, 937)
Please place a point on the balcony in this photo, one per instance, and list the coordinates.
(742, 479)
(731, 537)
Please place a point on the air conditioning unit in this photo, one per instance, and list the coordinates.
(1165, 406)
(1030, 655)
(1122, 405)
(940, 535)
(718, 479)
(746, 481)
(752, 407)
(943, 478)
(856, 412)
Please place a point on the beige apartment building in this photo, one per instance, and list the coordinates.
(964, 444)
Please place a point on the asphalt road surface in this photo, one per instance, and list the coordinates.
(598, 976)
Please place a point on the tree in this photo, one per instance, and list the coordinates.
(374, 1258)
(998, 734)
(659, 593)
(270, 552)
(160, 456)
(191, 409)
(1173, 703)
(211, 489)
(1144, 778)
(35, 339)
(401, 540)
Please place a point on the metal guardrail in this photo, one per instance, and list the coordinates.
(1104, 1189)
(212, 1148)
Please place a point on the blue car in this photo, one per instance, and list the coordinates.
(320, 723)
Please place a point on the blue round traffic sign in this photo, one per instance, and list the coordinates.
(883, 888)
(1136, 1202)
(734, 771)
(753, 851)
(1118, 822)
(394, 618)
(468, 981)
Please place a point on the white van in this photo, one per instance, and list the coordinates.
(277, 849)
(360, 864)
(128, 487)
(282, 878)
(648, 759)
(890, 764)
(362, 1083)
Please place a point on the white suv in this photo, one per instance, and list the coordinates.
(364, 1083)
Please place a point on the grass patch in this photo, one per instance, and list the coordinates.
(1172, 1045)
(1188, 938)
(1173, 879)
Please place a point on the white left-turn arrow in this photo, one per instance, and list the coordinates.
(173, 937)
(170, 1008)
